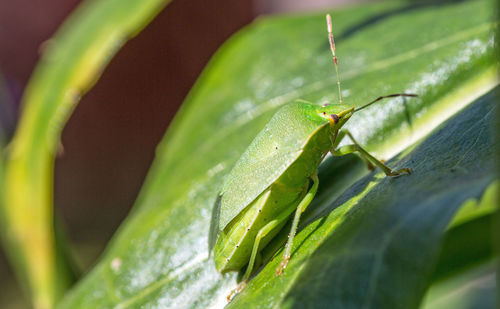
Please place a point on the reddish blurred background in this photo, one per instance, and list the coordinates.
(110, 140)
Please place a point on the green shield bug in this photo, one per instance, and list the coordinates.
(275, 179)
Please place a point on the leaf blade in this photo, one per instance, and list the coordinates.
(161, 248)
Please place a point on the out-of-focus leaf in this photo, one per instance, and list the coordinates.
(71, 63)
(470, 237)
(474, 288)
(474, 209)
(442, 51)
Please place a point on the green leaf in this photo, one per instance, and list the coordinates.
(469, 240)
(378, 247)
(71, 63)
(365, 235)
(474, 209)
(474, 288)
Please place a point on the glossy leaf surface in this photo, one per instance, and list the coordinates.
(362, 232)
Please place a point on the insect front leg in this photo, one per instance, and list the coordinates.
(339, 137)
(366, 156)
(300, 209)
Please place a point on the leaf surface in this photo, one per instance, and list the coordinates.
(360, 236)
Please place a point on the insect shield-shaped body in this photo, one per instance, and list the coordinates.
(271, 179)
(276, 178)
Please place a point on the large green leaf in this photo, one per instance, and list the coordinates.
(71, 63)
(362, 238)
(380, 244)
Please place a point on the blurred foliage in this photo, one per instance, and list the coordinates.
(71, 63)
(465, 273)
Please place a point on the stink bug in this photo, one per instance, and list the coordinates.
(276, 178)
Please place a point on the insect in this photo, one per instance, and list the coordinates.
(276, 178)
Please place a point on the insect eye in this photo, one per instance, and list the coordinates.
(335, 118)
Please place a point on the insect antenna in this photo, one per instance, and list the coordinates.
(332, 48)
(385, 97)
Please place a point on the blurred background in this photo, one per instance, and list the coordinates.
(110, 140)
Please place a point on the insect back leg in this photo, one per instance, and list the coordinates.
(366, 156)
(270, 227)
(300, 209)
(263, 232)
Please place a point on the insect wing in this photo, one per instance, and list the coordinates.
(272, 151)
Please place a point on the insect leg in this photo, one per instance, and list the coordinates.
(300, 209)
(260, 235)
(338, 139)
(367, 156)
(243, 283)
